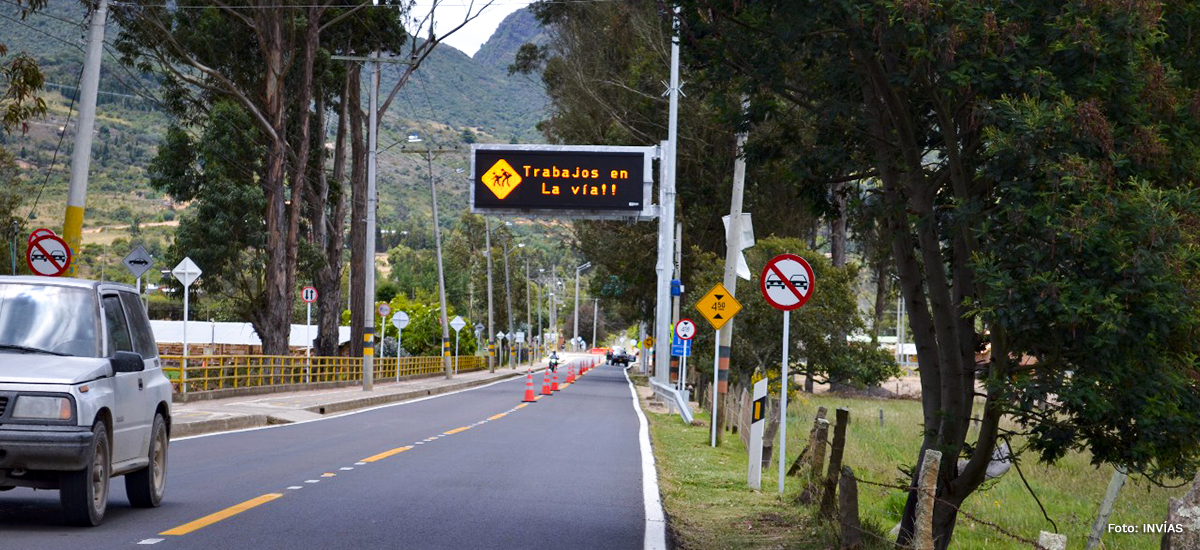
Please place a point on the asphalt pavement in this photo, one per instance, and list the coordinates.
(473, 468)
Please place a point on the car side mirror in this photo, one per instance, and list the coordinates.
(128, 361)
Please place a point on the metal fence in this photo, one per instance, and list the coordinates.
(219, 372)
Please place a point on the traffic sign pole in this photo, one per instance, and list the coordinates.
(716, 364)
(783, 398)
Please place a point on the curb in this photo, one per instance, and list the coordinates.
(241, 422)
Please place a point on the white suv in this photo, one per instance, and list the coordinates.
(83, 397)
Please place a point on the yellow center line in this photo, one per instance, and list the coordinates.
(386, 454)
(223, 514)
(328, 474)
(456, 430)
(497, 416)
(523, 405)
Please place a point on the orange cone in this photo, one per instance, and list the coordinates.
(571, 374)
(529, 389)
(554, 383)
(546, 382)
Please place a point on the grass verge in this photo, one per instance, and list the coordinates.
(710, 506)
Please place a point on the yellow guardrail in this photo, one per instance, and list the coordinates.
(218, 372)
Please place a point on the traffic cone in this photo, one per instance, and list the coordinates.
(529, 398)
(554, 383)
(571, 374)
(546, 382)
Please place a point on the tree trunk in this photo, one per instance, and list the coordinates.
(880, 302)
(332, 217)
(358, 214)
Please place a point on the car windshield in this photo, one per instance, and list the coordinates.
(55, 319)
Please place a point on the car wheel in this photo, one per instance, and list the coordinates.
(84, 493)
(146, 487)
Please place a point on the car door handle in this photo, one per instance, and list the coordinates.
(141, 385)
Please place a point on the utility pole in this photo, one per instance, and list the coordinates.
(733, 250)
(578, 270)
(595, 319)
(677, 265)
(491, 326)
(554, 305)
(528, 311)
(508, 302)
(369, 240)
(81, 156)
(541, 334)
(437, 241)
(666, 219)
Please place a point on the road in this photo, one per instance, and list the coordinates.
(473, 469)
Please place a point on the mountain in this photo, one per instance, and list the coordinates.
(519, 28)
(451, 99)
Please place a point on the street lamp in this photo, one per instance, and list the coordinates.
(508, 300)
(578, 270)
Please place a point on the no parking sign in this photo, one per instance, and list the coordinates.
(47, 254)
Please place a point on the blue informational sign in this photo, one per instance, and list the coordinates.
(681, 348)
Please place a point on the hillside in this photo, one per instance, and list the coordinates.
(519, 28)
(449, 94)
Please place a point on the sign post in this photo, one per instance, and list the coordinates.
(399, 320)
(718, 306)
(685, 330)
(309, 295)
(457, 323)
(186, 272)
(786, 283)
(138, 262)
(520, 339)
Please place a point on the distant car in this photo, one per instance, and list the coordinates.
(83, 397)
(620, 357)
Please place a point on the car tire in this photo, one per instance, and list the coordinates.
(84, 493)
(147, 486)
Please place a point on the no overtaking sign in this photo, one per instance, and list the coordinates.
(48, 254)
(786, 282)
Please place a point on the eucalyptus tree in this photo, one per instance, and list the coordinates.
(1034, 162)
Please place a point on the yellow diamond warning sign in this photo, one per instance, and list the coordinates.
(501, 178)
(718, 306)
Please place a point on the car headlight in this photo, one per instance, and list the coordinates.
(43, 407)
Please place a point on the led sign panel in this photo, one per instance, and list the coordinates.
(540, 179)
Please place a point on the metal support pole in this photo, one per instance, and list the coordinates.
(666, 219)
(508, 306)
(491, 339)
(783, 398)
(716, 363)
(528, 312)
(81, 156)
(595, 319)
(437, 241)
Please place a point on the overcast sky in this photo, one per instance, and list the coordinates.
(469, 38)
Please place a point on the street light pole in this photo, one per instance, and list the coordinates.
(437, 241)
(578, 270)
(528, 310)
(508, 302)
(491, 327)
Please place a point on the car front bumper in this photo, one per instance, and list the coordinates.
(32, 447)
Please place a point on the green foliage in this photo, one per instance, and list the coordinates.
(757, 330)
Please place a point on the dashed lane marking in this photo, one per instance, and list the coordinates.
(223, 514)
(386, 454)
(150, 541)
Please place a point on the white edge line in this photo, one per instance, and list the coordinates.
(656, 523)
(349, 413)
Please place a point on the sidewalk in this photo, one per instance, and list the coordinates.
(237, 413)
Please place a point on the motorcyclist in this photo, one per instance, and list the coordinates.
(553, 361)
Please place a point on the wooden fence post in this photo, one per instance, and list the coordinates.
(1106, 508)
(848, 509)
(926, 489)
(829, 498)
(812, 491)
(806, 454)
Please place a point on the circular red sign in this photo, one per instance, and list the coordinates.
(48, 255)
(685, 329)
(309, 294)
(786, 282)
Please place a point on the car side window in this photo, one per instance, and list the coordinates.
(117, 327)
(139, 326)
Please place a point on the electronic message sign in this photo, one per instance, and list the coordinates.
(581, 181)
